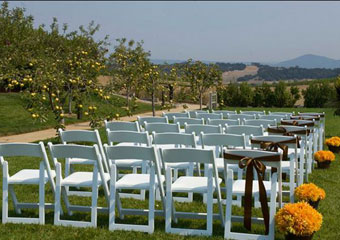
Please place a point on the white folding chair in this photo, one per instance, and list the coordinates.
(162, 127)
(197, 129)
(81, 136)
(312, 143)
(177, 140)
(289, 166)
(147, 182)
(143, 120)
(246, 130)
(322, 122)
(301, 132)
(196, 184)
(122, 126)
(25, 177)
(272, 189)
(181, 121)
(241, 116)
(224, 112)
(171, 115)
(219, 142)
(93, 180)
(206, 116)
(260, 122)
(128, 138)
(193, 113)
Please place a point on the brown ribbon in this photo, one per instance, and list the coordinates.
(274, 146)
(285, 132)
(298, 123)
(250, 164)
(312, 114)
(316, 118)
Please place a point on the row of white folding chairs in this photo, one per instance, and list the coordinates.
(204, 185)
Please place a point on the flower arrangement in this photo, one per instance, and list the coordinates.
(333, 144)
(298, 219)
(323, 156)
(333, 141)
(309, 192)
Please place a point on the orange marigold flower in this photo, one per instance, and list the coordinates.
(323, 156)
(299, 219)
(309, 192)
(333, 141)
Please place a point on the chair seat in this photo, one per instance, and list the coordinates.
(192, 184)
(28, 176)
(239, 186)
(82, 179)
(136, 181)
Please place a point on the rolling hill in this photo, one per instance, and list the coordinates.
(310, 61)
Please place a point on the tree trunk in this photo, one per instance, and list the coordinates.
(153, 103)
(51, 102)
(163, 99)
(201, 100)
(70, 102)
(127, 97)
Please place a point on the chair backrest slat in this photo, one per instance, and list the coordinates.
(193, 113)
(122, 126)
(174, 138)
(197, 129)
(260, 122)
(21, 149)
(128, 137)
(244, 129)
(217, 139)
(188, 155)
(241, 116)
(142, 120)
(171, 115)
(74, 151)
(224, 112)
(207, 116)
(162, 127)
(222, 122)
(182, 121)
(78, 136)
(277, 118)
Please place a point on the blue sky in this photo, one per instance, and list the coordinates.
(216, 31)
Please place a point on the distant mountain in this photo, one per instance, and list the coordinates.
(310, 61)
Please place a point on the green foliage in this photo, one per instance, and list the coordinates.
(318, 94)
(201, 77)
(52, 67)
(242, 95)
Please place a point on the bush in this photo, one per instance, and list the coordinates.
(318, 94)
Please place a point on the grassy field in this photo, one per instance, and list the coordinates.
(325, 178)
(14, 119)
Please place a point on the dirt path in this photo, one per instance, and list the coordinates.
(49, 133)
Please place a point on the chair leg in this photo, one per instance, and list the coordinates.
(42, 194)
(169, 202)
(94, 197)
(57, 195)
(14, 199)
(229, 201)
(5, 192)
(210, 205)
(151, 215)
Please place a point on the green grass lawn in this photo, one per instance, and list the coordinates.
(14, 119)
(325, 178)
